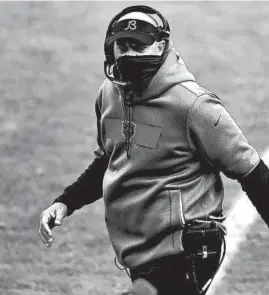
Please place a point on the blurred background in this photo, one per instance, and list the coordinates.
(51, 66)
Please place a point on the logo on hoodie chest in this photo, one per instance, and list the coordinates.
(128, 129)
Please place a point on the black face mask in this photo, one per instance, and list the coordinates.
(139, 70)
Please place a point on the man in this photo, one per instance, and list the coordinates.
(162, 142)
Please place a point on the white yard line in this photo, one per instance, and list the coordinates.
(239, 219)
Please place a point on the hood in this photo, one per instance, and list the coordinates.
(173, 71)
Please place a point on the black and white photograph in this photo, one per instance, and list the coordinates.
(134, 147)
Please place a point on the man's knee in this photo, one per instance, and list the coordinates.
(143, 287)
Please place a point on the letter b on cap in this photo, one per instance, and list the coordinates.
(131, 25)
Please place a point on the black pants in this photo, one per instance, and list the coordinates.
(169, 275)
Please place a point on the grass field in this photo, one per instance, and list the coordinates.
(51, 57)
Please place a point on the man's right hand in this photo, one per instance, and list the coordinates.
(50, 217)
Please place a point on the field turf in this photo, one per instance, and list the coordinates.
(51, 65)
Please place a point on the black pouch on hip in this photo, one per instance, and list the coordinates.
(202, 242)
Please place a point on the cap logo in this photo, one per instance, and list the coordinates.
(131, 25)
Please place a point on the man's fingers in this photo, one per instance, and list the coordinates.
(58, 221)
(44, 233)
(42, 237)
(51, 217)
(44, 225)
(47, 241)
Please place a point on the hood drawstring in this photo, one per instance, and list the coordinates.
(128, 138)
(127, 129)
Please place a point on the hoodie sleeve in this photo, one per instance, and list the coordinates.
(220, 139)
(88, 187)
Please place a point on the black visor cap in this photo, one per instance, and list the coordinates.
(135, 29)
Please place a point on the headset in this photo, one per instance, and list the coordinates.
(163, 33)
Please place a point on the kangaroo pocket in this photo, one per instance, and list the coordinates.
(145, 215)
(142, 222)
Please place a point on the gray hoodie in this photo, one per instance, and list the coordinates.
(181, 137)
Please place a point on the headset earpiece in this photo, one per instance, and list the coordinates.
(164, 35)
